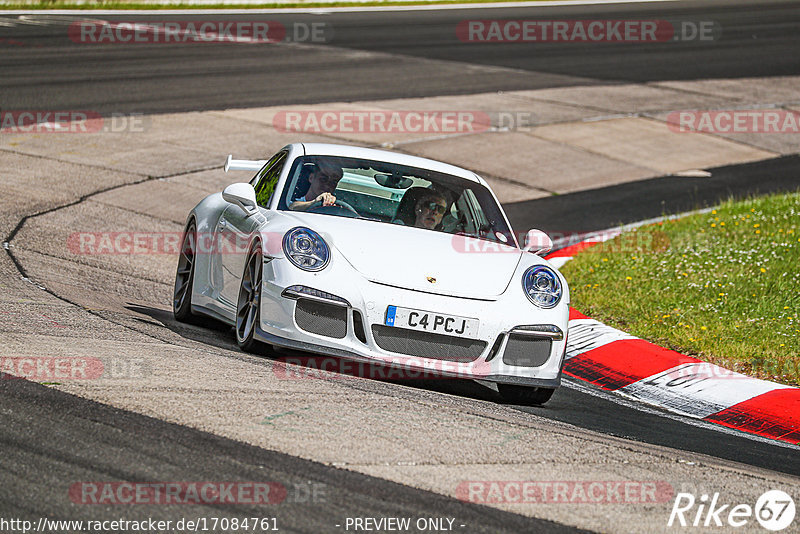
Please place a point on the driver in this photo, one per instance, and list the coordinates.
(323, 179)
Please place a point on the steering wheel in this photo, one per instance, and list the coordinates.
(339, 207)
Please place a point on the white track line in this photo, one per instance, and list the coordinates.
(584, 387)
(324, 10)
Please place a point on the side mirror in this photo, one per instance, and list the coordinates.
(537, 242)
(243, 195)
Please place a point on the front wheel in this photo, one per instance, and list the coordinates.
(525, 395)
(248, 308)
(184, 277)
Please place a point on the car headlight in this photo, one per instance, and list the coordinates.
(542, 286)
(306, 249)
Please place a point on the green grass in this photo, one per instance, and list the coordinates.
(723, 286)
(134, 4)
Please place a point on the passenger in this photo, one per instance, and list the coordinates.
(323, 181)
(430, 209)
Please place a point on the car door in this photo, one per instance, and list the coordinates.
(236, 228)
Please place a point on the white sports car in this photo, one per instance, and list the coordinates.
(378, 257)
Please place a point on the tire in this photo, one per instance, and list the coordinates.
(248, 306)
(525, 395)
(184, 277)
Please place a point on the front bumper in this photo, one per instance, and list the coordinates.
(498, 355)
(304, 346)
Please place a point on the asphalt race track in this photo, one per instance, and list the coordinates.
(50, 438)
(66, 436)
(384, 55)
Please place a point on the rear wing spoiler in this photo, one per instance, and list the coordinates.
(243, 164)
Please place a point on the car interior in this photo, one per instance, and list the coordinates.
(389, 193)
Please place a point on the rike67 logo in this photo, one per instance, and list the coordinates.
(774, 510)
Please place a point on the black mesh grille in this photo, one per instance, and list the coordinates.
(426, 345)
(320, 318)
(526, 351)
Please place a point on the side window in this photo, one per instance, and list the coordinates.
(267, 166)
(267, 179)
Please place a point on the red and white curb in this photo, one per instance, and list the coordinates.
(637, 369)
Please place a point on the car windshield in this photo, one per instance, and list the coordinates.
(394, 194)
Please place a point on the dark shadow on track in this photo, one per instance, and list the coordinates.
(599, 209)
(205, 330)
(56, 440)
(312, 366)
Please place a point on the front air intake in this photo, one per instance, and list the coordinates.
(321, 318)
(427, 345)
(526, 351)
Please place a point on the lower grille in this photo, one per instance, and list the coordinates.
(426, 345)
(320, 318)
(526, 351)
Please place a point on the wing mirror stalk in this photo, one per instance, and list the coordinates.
(243, 195)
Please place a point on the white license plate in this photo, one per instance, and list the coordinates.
(435, 323)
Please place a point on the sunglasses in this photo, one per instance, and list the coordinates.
(435, 207)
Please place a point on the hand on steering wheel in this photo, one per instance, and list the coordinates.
(326, 199)
(341, 206)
